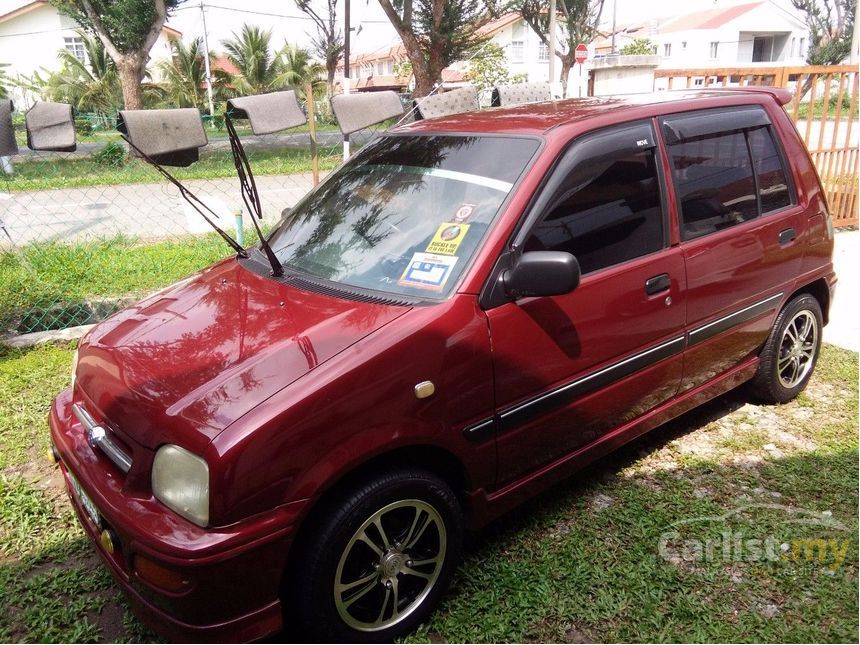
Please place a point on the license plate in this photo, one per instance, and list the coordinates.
(85, 501)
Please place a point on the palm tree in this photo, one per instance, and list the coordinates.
(4, 81)
(260, 69)
(184, 77)
(91, 85)
(297, 70)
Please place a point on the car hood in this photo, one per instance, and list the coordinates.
(196, 356)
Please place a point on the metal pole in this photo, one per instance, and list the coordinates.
(206, 65)
(614, 13)
(855, 39)
(346, 66)
(551, 40)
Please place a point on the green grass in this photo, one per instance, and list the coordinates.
(581, 562)
(818, 107)
(48, 173)
(48, 285)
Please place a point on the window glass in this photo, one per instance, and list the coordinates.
(607, 211)
(715, 184)
(405, 215)
(772, 181)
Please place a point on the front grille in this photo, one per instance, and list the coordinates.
(99, 438)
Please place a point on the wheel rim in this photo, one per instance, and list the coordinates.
(797, 349)
(390, 565)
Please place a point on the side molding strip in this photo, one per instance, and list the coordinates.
(563, 395)
(722, 324)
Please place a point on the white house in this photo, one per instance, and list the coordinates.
(32, 33)
(751, 33)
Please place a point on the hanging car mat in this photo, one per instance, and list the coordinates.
(464, 99)
(50, 126)
(520, 93)
(8, 145)
(268, 113)
(355, 112)
(168, 137)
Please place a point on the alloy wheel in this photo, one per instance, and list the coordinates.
(797, 349)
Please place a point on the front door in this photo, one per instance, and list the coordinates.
(569, 368)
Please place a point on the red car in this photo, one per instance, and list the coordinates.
(472, 308)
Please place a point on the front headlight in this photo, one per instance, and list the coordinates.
(180, 481)
(74, 367)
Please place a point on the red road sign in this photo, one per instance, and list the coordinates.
(581, 53)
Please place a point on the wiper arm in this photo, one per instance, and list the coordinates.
(250, 195)
(189, 197)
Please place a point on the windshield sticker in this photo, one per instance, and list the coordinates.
(448, 238)
(464, 213)
(428, 271)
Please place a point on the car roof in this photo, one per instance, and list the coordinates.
(539, 118)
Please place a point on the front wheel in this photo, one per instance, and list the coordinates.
(791, 351)
(379, 559)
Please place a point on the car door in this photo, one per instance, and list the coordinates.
(739, 221)
(569, 368)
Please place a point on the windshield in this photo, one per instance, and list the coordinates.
(406, 214)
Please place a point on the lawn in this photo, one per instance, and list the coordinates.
(608, 556)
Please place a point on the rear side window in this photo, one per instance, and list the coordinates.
(772, 180)
(725, 176)
(605, 207)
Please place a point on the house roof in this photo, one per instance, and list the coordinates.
(709, 19)
(495, 26)
(225, 65)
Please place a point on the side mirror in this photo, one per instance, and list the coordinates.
(542, 273)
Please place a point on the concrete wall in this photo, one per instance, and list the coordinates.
(623, 75)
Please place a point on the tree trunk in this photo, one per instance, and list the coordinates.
(423, 81)
(566, 66)
(131, 71)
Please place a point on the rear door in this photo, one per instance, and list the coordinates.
(739, 221)
(568, 368)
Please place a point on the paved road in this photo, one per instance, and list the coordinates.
(844, 326)
(141, 210)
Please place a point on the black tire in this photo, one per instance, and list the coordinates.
(408, 502)
(787, 361)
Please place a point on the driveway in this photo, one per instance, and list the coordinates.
(844, 327)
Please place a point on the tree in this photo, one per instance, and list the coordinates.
(435, 33)
(260, 68)
(831, 23)
(639, 47)
(328, 43)
(488, 68)
(297, 70)
(578, 20)
(5, 81)
(128, 29)
(184, 77)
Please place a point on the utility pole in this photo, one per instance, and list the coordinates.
(551, 41)
(614, 14)
(346, 35)
(206, 65)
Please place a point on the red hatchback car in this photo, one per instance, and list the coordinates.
(473, 308)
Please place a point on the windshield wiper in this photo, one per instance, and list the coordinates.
(189, 197)
(250, 195)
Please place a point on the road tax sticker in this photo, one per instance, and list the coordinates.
(464, 212)
(428, 271)
(448, 237)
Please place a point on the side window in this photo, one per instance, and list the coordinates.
(770, 172)
(714, 179)
(606, 210)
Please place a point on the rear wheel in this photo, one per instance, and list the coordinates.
(379, 560)
(791, 351)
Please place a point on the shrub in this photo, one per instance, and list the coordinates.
(112, 155)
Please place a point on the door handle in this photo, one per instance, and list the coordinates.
(787, 236)
(657, 284)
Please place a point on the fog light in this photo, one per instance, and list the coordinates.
(158, 575)
(53, 455)
(107, 539)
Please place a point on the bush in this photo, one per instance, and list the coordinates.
(112, 155)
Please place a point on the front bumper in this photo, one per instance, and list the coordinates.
(230, 576)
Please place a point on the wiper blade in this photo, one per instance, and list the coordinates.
(250, 195)
(189, 197)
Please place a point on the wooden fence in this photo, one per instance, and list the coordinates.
(824, 109)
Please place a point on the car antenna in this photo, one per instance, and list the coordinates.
(189, 197)
(250, 195)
